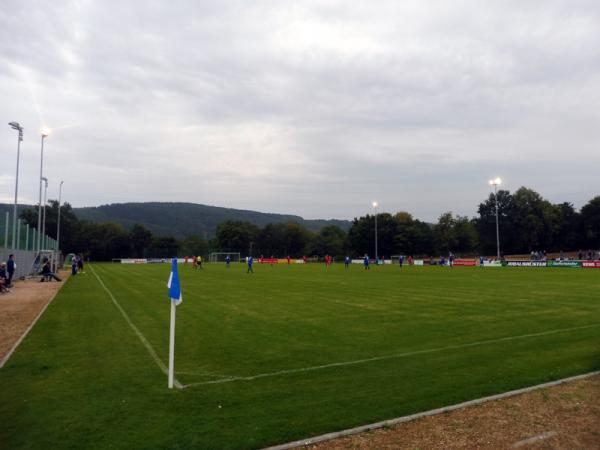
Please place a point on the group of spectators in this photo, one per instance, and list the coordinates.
(77, 264)
(590, 255)
(7, 271)
(537, 255)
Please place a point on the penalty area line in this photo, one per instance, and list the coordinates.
(392, 356)
(139, 334)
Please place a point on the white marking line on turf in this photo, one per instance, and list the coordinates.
(393, 356)
(14, 347)
(533, 439)
(433, 412)
(147, 344)
(205, 374)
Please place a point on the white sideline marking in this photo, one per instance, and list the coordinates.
(537, 438)
(433, 412)
(14, 347)
(393, 356)
(147, 344)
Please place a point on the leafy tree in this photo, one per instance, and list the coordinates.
(270, 240)
(465, 235)
(532, 220)
(102, 242)
(359, 238)
(193, 245)
(486, 223)
(413, 237)
(68, 222)
(236, 235)
(141, 239)
(568, 234)
(296, 239)
(590, 218)
(443, 231)
(329, 241)
(163, 247)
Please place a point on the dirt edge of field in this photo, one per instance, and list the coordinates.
(21, 307)
(565, 414)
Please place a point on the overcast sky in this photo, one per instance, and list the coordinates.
(313, 108)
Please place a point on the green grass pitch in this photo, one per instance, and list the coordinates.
(287, 353)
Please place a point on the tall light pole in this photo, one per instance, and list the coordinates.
(375, 205)
(496, 182)
(19, 128)
(45, 133)
(58, 221)
(44, 209)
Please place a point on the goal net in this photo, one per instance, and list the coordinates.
(221, 257)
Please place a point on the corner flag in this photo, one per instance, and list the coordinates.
(173, 284)
(176, 299)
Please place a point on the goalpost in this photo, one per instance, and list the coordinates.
(220, 257)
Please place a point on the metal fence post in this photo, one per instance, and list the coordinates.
(6, 230)
(18, 234)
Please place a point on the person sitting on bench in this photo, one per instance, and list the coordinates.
(3, 278)
(47, 273)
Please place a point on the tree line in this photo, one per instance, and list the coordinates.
(527, 222)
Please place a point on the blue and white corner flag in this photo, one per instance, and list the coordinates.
(173, 284)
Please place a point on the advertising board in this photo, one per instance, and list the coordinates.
(487, 263)
(591, 264)
(465, 262)
(564, 263)
(525, 263)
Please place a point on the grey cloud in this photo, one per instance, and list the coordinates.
(311, 108)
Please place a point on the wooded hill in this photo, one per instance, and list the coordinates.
(186, 219)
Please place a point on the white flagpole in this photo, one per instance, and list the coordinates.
(172, 345)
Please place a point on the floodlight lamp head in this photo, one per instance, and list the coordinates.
(498, 181)
(45, 131)
(375, 204)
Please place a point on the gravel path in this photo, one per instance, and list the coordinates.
(20, 307)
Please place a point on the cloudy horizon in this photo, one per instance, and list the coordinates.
(312, 108)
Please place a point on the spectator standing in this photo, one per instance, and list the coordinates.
(80, 264)
(10, 269)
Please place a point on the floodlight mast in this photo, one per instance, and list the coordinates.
(58, 221)
(45, 132)
(44, 210)
(375, 205)
(496, 182)
(19, 128)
